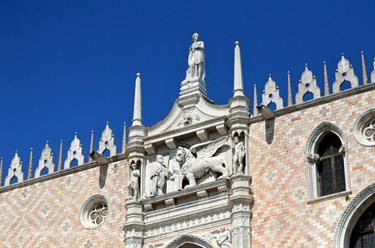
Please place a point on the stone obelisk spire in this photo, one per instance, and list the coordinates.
(91, 144)
(238, 89)
(59, 162)
(326, 83)
(255, 107)
(137, 113)
(364, 71)
(290, 100)
(124, 139)
(30, 172)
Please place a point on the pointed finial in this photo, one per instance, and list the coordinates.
(290, 101)
(364, 71)
(107, 123)
(92, 143)
(342, 54)
(1, 171)
(59, 163)
(306, 68)
(30, 172)
(326, 83)
(238, 89)
(124, 139)
(137, 111)
(255, 109)
(269, 76)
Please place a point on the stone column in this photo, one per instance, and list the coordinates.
(133, 227)
(241, 202)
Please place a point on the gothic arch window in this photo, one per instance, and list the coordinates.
(327, 166)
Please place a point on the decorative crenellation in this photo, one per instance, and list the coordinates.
(45, 161)
(15, 170)
(307, 84)
(75, 152)
(344, 73)
(107, 141)
(271, 94)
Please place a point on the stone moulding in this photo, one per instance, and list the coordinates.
(186, 239)
(194, 193)
(351, 214)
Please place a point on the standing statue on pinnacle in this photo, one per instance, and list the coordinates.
(196, 59)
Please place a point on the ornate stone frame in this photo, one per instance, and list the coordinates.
(359, 125)
(351, 214)
(188, 238)
(86, 206)
(310, 151)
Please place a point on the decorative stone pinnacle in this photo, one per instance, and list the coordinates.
(138, 74)
(237, 42)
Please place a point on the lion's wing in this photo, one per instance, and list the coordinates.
(207, 149)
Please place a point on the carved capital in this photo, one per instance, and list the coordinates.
(313, 158)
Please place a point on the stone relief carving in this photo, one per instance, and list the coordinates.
(74, 152)
(15, 170)
(194, 168)
(133, 184)
(344, 72)
(188, 118)
(307, 84)
(45, 161)
(107, 141)
(271, 94)
(187, 223)
(223, 238)
(158, 177)
(313, 158)
(238, 155)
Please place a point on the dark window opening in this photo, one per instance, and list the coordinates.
(330, 168)
(363, 233)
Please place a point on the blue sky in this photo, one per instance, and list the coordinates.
(68, 66)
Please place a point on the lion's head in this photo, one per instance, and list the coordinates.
(181, 155)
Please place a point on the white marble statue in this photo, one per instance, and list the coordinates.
(196, 59)
(238, 155)
(158, 177)
(196, 167)
(133, 185)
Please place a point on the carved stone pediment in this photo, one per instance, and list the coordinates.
(183, 117)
